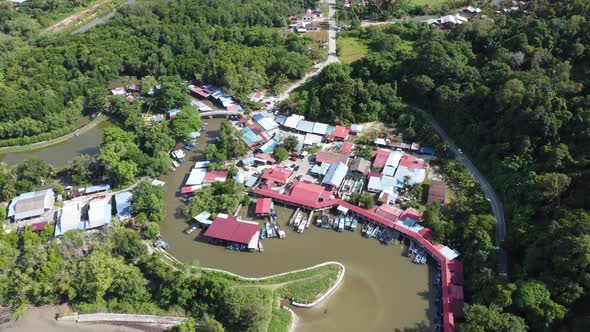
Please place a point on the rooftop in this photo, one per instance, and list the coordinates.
(231, 229)
(277, 174)
(330, 157)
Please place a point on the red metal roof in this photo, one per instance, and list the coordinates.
(265, 156)
(340, 132)
(263, 205)
(38, 226)
(451, 306)
(188, 189)
(411, 213)
(231, 229)
(212, 176)
(256, 128)
(307, 192)
(390, 213)
(277, 174)
(381, 158)
(412, 162)
(201, 92)
(347, 147)
(330, 157)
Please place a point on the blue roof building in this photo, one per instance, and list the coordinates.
(250, 138)
(98, 188)
(123, 205)
(335, 174)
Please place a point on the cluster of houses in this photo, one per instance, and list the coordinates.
(86, 208)
(306, 22)
(217, 96)
(200, 176)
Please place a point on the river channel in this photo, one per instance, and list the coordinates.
(382, 289)
(87, 142)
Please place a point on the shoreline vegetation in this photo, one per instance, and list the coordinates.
(83, 15)
(305, 288)
(64, 137)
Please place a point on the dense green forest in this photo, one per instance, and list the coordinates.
(47, 81)
(119, 275)
(387, 9)
(514, 93)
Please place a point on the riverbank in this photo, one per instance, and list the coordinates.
(63, 138)
(44, 319)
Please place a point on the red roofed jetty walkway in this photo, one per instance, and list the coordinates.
(452, 288)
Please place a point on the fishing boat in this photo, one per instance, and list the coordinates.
(263, 233)
(282, 234)
(318, 221)
(410, 248)
(336, 223)
(331, 223)
(424, 258)
(354, 224)
(347, 222)
(294, 216)
(269, 231)
(326, 222)
(369, 230)
(298, 218)
(375, 231)
(380, 234)
(341, 224)
(301, 227)
(190, 229)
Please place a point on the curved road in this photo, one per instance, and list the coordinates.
(497, 208)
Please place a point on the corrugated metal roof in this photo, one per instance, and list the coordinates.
(320, 128)
(305, 126)
(123, 204)
(196, 176)
(99, 213)
(335, 174)
(293, 121)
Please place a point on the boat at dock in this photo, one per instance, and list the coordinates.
(353, 224)
(294, 217)
(269, 231)
(301, 227)
(375, 231)
(298, 218)
(263, 233)
(190, 229)
(347, 223)
(341, 224)
(369, 230)
(309, 218)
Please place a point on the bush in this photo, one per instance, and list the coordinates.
(152, 230)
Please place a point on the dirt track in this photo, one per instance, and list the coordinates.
(71, 20)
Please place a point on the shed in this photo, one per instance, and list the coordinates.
(196, 176)
(31, 204)
(123, 205)
(320, 170)
(69, 218)
(99, 213)
(374, 184)
(360, 165)
(202, 164)
(251, 182)
(263, 206)
(280, 119)
(98, 188)
(267, 123)
(203, 218)
(347, 147)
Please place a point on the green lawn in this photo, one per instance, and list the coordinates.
(425, 2)
(280, 320)
(350, 49)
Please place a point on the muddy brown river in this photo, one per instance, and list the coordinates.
(382, 289)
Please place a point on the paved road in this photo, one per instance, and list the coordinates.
(497, 208)
(332, 56)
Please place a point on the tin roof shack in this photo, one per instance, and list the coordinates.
(99, 213)
(230, 229)
(123, 205)
(31, 205)
(69, 218)
(410, 168)
(263, 206)
(360, 166)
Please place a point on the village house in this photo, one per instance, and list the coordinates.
(31, 205)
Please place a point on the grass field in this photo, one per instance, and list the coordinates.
(425, 2)
(350, 49)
